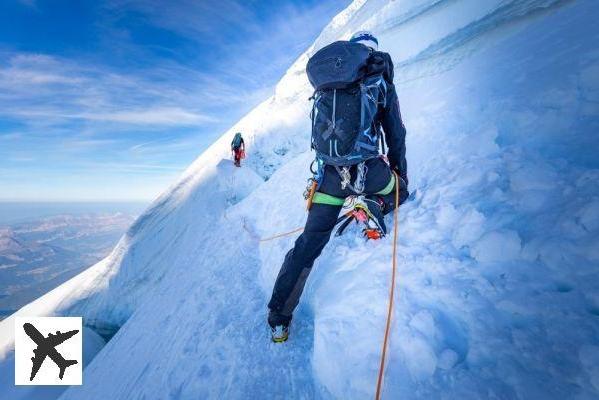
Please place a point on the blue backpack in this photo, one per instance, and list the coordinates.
(236, 143)
(346, 102)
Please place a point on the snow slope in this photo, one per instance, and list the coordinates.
(498, 292)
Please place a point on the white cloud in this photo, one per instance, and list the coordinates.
(167, 116)
(158, 116)
(42, 89)
(39, 87)
(132, 167)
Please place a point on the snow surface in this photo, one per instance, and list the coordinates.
(92, 344)
(498, 286)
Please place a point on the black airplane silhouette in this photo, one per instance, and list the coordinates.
(46, 347)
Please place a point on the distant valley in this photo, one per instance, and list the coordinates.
(37, 256)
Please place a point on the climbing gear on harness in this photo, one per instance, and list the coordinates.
(323, 198)
(345, 177)
(309, 192)
(319, 172)
(360, 181)
(313, 182)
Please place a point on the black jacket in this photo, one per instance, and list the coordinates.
(389, 117)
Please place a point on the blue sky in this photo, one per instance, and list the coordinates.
(111, 100)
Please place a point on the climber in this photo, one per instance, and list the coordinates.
(354, 99)
(238, 149)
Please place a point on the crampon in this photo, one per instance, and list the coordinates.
(357, 210)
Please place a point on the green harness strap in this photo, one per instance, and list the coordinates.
(323, 198)
(387, 189)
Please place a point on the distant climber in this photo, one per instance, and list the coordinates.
(238, 149)
(354, 99)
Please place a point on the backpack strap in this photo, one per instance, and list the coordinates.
(382, 143)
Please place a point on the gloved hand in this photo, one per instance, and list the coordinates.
(403, 176)
(389, 199)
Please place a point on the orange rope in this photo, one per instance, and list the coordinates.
(379, 382)
(252, 234)
(281, 235)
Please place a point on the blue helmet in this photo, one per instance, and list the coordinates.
(366, 38)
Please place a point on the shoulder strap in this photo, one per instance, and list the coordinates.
(383, 145)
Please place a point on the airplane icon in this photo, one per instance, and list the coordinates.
(46, 347)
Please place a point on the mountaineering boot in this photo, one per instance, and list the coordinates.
(279, 333)
(345, 220)
(365, 210)
(375, 226)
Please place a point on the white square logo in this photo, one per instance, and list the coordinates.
(48, 350)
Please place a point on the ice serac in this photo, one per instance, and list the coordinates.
(497, 252)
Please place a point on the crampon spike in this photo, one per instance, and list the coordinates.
(373, 234)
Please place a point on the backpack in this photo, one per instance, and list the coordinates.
(346, 101)
(236, 143)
